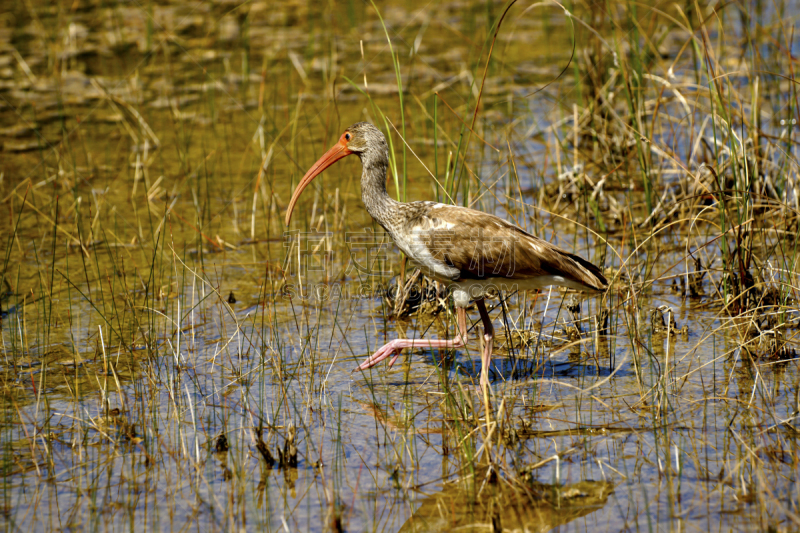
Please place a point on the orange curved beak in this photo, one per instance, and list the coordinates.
(338, 151)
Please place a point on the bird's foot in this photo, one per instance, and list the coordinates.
(397, 345)
(393, 347)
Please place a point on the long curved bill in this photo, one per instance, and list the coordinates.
(338, 151)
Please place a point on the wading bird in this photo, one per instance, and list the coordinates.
(470, 251)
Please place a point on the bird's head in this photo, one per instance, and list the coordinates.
(362, 139)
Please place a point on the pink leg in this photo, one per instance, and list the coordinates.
(397, 345)
(488, 337)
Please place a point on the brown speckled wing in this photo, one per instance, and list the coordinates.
(483, 246)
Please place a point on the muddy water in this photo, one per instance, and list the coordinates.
(158, 317)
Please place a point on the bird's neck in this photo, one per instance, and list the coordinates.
(379, 204)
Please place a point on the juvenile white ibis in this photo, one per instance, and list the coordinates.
(468, 250)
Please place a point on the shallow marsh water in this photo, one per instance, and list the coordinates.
(158, 317)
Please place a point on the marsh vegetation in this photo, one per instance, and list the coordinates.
(174, 358)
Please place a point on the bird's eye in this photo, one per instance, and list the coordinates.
(347, 136)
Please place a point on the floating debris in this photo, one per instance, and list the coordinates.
(503, 506)
(262, 448)
(601, 322)
(288, 456)
(696, 279)
(668, 326)
(419, 294)
(221, 444)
